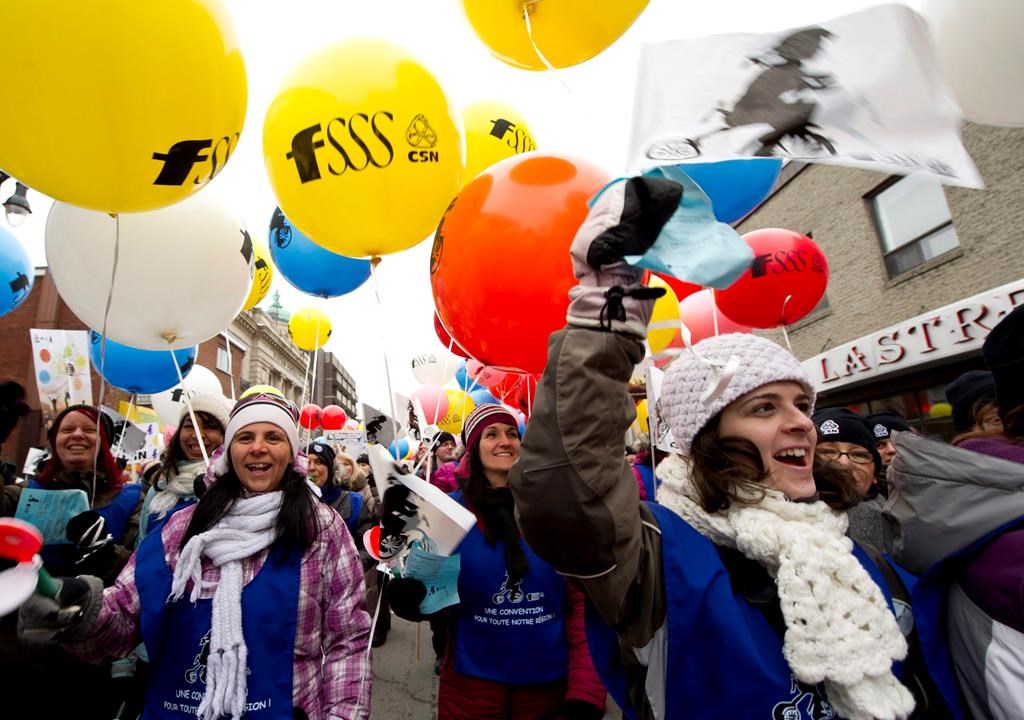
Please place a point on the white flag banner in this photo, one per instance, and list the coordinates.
(864, 90)
(61, 360)
(661, 433)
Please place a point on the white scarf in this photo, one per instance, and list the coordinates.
(246, 529)
(839, 629)
(180, 484)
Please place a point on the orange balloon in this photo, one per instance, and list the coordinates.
(500, 269)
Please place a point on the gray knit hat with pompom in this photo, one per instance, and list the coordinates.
(700, 383)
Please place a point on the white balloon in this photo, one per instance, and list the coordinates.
(169, 403)
(434, 369)
(183, 272)
(980, 44)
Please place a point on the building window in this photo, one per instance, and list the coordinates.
(913, 222)
(223, 360)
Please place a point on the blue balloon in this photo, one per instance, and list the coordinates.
(399, 448)
(482, 396)
(309, 267)
(735, 187)
(522, 426)
(139, 371)
(462, 377)
(16, 273)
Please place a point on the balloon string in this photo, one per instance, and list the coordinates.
(103, 356)
(714, 311)
(305, 380)
(367, 664)
(374, 262)
(191, 413)
(785, 335)
(312, 383)
(527, 8)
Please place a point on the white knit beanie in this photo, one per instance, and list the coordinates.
(701, 382)
(217, 406)
(258, 409)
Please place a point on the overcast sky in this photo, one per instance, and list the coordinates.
(583, 111)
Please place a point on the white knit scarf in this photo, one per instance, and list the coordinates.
(246, 529)
(839, 629)
(180, 484)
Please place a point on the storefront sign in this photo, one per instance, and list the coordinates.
(946, 332)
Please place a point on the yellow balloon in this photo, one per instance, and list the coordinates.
(493, 132)
(261, 389)
(119, 105)
(362, 149)
(262, 276)
(566, 32)
(642, 417)
(309, 328)
(460, 404)
(940, 410)
(665, 323)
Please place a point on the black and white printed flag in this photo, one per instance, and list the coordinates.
(864, 90)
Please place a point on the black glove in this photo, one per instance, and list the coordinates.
(94, 545)
(576, 710)
(67, 617)
(405, 596)
(625, 220)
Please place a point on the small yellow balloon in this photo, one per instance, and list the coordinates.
(263, 275)
(362, 149)
(119, 105)
(309, 328)
(940, 410)
(494, 131)
(566, 32)
(665, 323)
(643, 419)
(460, 404)
(261, 390)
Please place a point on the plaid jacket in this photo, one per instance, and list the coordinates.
(331, 667)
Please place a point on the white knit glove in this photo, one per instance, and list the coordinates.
(625, 220)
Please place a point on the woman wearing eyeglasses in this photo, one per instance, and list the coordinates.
(844, 437)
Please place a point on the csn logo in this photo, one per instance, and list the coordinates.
(421, 135)
(356, 143)
(184, 155)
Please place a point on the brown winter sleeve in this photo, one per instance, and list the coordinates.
(576, 497)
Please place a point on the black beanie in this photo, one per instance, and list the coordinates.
(844, 425)
(882, 424)
(442, 437)
(1004, 355)
(326, 454)
(965, 393)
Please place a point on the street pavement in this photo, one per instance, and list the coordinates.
(404, 687)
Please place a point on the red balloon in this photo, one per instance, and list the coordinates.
(310, 416)
(446, 339)
(681, 288)
(698, 314)
(786, 265)
(507, 390)
(527, 393)
(333, 418)
(500, 269)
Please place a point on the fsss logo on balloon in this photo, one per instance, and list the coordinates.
(784, 262)
(357, 143)
(184, 155)
(520, 140)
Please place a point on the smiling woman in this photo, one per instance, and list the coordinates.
(295, 639)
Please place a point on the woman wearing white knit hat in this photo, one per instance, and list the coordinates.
(249, 601)
(739, 596)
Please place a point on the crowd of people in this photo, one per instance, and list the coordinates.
(789, 562)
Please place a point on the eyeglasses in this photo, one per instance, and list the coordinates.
(861, 457)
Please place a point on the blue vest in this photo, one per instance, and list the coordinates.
(509, 634)
(177, 635)
(724, 658)
(155, 524)
(58, 559)
(929, 602)
(356, 507)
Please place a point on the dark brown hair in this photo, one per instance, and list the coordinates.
(729, 470)
(175, 453)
